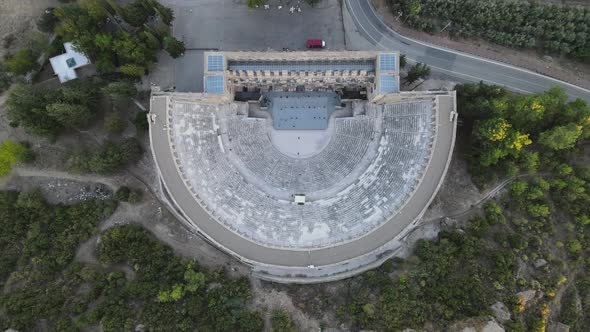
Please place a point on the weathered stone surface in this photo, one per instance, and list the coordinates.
(540, 263)
(492, 326)
(501, 312)
(469, 329)
(558, 327)
(139, 328)
(526, 296)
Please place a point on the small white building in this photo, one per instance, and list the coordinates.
(65, 65)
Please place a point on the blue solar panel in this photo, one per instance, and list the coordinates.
(214, 84)
(323, 65)
(387, 61)
(388, 83)
(215, 62)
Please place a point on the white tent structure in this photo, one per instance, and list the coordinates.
(65, 65)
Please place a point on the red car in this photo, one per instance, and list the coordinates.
(316, 43)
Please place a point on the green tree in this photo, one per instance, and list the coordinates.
(417, 72)
(193, 280)
(518, 188)
(174, 46)
(70, 115)
(27, 107)
(251, 321)
(402, 61)
(165, 13)
(415, 7)
(120, 92)
(538, 210)
(255, 3)
(122, 194)
(5, 77)
(281, 322)
(561, 137)
(133, 70)
(141, 122)
(136, 13)
(21, 62)
(131, 150)
(95, 9)
(494, 213)
(114, 123)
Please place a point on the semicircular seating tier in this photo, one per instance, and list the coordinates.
(369, 169)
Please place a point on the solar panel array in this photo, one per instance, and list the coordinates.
(214, 83)
(310, 66)
(215, 62)
(388, 83)
(387, 61)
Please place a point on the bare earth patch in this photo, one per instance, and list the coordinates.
(18, 17)
(560, 68)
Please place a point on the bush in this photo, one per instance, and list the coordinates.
(46, 112)
(122, 194)
(21, 62)
(114, 123)
(109, 158)
(12, 153)
(135, 196)
(120, 92)
(255, 3)
(281, 322)
(133, 70)
(174, 47)
(141, 122)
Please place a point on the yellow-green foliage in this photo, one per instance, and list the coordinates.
(11, 153)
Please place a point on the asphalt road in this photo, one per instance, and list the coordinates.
(229, 25)
(456, 64)
(253, 252)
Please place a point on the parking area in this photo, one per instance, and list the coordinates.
(230, 25)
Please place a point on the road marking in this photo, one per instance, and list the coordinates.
(469, 55)
(437, 68)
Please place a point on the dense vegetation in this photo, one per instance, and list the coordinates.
(126, 37)
(510, 133)
(47, 112)
(163, 292)
(107, 159)
(536, 237)
(37, 246)
(551, 28)
(116, 38)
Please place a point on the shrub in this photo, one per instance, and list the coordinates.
(114, 123)
(141, 122)
(255, 3)
(12, 153)
(122, 194)
(133, 70)
(21, 62)
(174, 46)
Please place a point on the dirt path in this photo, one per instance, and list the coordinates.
(485, 198)
(112, 182)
